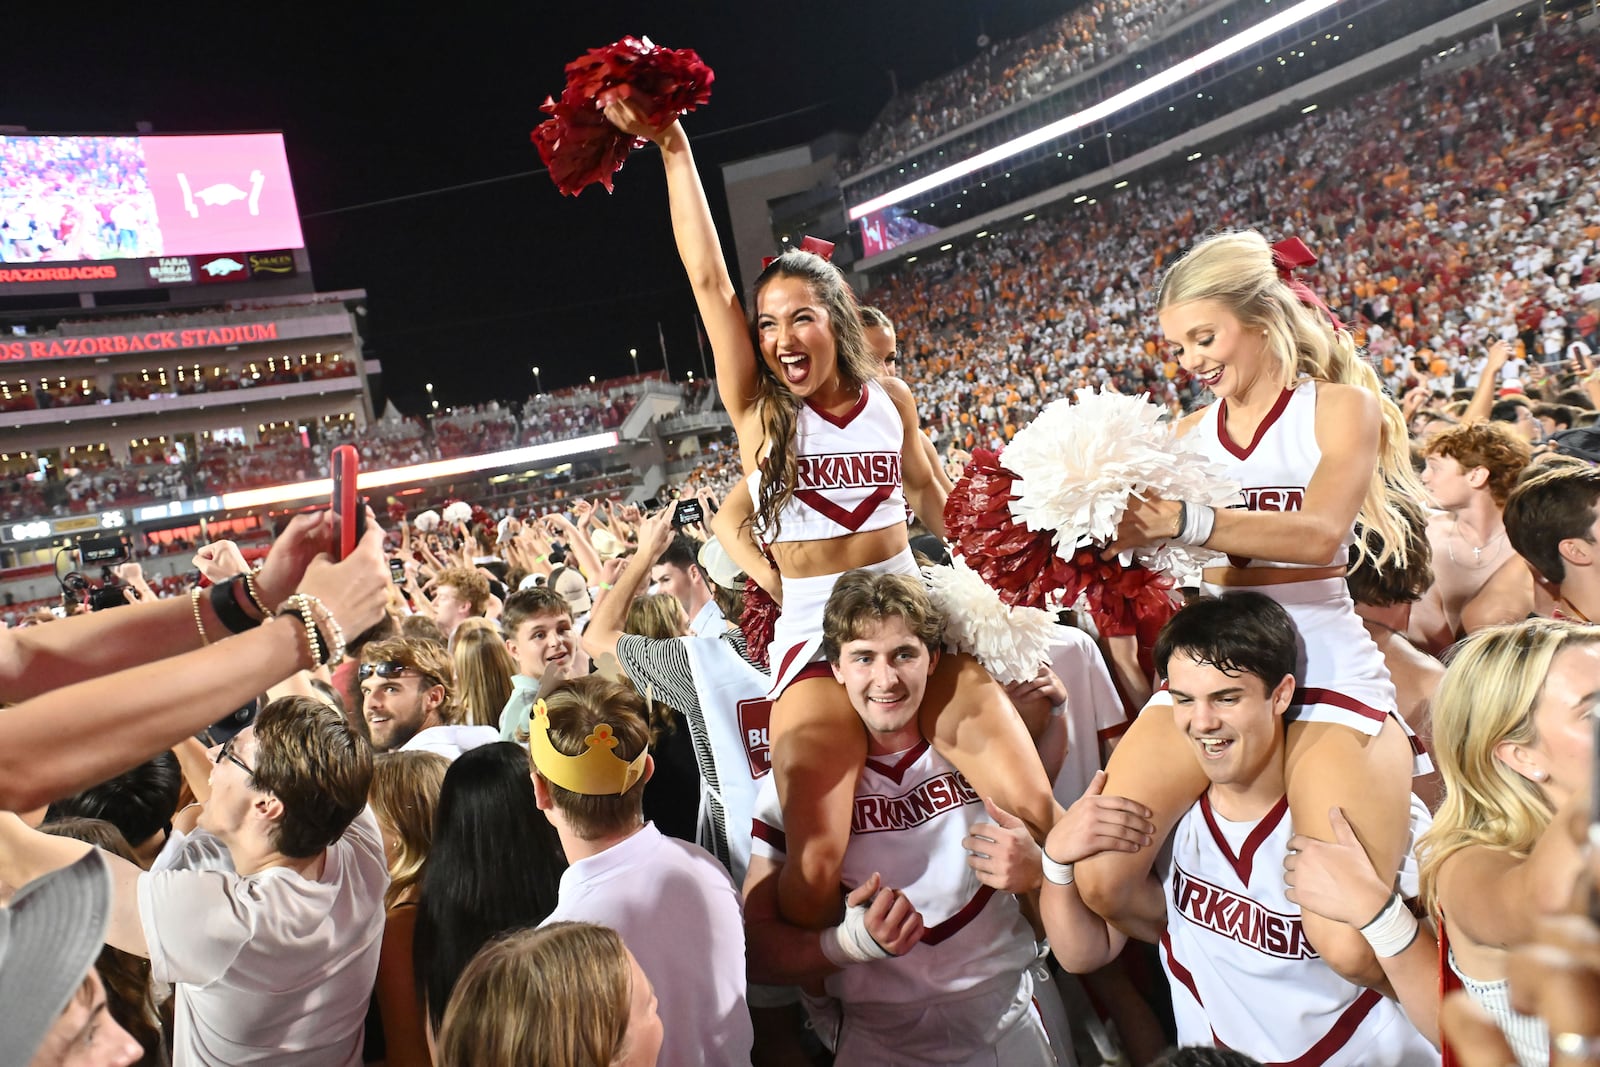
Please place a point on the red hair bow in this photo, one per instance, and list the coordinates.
(1289, 253)
(815, 245)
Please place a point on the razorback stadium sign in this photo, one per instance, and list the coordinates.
(152, 341)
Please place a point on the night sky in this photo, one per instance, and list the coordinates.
(471, 288)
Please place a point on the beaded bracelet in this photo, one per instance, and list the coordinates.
(199, 623)
(298, 606)
(254, 593)
(225, 602)
(325, 617)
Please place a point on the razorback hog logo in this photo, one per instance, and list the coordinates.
(1239, 918)
(1275, 498)
(917, 805)
(850, 470)
(755, 719)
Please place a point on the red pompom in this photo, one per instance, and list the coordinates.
(397, 511)
(577, 144)
(1120, 598)
(758, 620)
(666, 82)
(1021, 565)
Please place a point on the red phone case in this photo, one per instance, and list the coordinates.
(346, 519)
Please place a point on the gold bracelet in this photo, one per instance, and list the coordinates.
(254, 594)
(199, 623)
(298, 606)
(325, 617)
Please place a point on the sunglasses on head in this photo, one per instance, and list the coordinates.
(388, 669)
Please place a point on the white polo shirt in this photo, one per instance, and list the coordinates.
(679, 915)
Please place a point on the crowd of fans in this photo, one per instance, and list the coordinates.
(218, 466)
(1474, 228)
(514, 808)
(1008, 72)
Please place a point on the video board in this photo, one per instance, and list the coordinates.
(84, 213)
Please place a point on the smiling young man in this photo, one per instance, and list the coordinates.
(543, 641)
(1242, 972)
(274, 947)
(407, 700)
(931, 961)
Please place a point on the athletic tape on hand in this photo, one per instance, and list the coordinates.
(849, 942)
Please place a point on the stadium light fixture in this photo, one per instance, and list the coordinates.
(1096, 112)
(419, 472)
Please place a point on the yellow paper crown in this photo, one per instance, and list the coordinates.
(599, 772)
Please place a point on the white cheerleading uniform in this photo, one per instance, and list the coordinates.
(963, 995)
(1242, 973)
(1340, 672)
(848, 481)
(847, 471)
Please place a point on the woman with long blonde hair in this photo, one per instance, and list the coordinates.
(834, 452)
(483, 671)
(404, 796)
(1513, 731)
(1301, 422)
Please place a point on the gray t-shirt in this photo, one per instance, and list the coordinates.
(271, 968)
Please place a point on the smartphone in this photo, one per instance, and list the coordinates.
(397, 571)
(349, 517)
(687, 513)
(652, 504)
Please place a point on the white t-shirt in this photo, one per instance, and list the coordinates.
(1093, 709)
(451, 741)
(271, 968)
(679, 915)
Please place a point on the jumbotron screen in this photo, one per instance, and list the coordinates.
(129, 212)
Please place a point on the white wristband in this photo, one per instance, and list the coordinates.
(849, 942)
(1198, 522)
(1392, 930)
(1059, 873)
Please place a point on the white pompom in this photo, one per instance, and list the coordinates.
(460, 511)
(1077, 465)
(1011, 643)
(427, 522)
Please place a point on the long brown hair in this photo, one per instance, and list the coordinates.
(777, 407)
(404, 797)
(483, 671)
